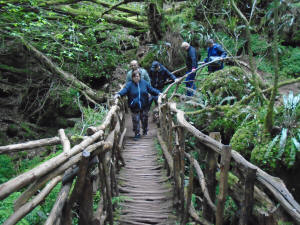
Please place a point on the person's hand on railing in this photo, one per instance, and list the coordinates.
(117, 96)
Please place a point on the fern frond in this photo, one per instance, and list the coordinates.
(271, 145)
(282, 142)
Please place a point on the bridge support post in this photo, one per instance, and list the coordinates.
(223, 183)
(83, 167)
(86, 202)
(181, 138)
(247, 205)
(210, 176)
(106, 174)
(189, 193)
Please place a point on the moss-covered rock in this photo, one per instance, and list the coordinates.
(243, 140)
(230, 81)
(259, 157)
(148, 59)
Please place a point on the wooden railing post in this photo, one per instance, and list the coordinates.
(86, 202)
(181, 136)
(223, 183)
(57, 209)
(247, 203)
(189, 193)
(106, 170)
(83, 167)
(162, 120)
(176, 167)
(210, 176)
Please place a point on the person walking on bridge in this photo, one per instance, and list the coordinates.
(191, 64)
(137, 91)
(158, 76)
(134, 65)
(214, 52)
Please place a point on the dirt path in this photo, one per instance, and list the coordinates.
(143, 182)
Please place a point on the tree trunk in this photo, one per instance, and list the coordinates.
(155, 19)
(269, 116)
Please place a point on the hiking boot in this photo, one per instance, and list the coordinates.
(137, 137)
(145, 132)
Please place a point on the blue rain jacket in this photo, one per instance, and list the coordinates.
(138, 98)
(158, 78)
(215, 50)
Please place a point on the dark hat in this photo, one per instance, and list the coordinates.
(155, 65)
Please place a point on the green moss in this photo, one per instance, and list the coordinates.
(233, 77)
(243, 140)
(148, 59)
(263, 155)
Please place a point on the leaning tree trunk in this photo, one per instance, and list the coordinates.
(269, 116)
(66, 77)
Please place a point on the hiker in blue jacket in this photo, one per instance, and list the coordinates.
(191, 64)
(137, 91)
(158, 76)
(214, 51)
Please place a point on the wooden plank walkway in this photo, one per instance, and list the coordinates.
(148, 194)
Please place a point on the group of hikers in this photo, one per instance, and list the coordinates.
(139, 85)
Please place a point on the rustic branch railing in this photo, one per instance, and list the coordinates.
(246, 192)
(101, 147)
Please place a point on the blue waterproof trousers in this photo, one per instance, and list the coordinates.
(138, 116)
(190, 83)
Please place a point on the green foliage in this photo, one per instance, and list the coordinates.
(259, 44)
(194, 33)
(6, 169)
(160, 153)
(281, 150)
(290, 62)
(90, 117)
(67, 96)
(36, 216)
(27, 164)
(119, 199)
(96, 200)
(29, 133)
(6, 208)
(78, 45)
(230, 210)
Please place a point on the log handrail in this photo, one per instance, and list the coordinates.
(103, 142)
(274, 184)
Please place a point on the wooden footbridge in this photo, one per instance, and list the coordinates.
(136, 188)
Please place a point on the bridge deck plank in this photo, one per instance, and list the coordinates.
(143, 182)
